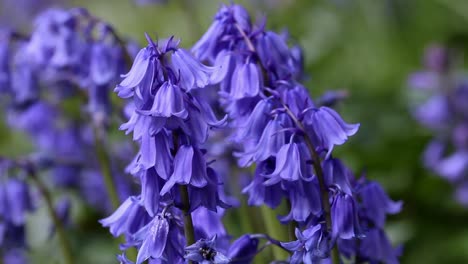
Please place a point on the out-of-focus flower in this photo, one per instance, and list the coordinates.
(444, 112)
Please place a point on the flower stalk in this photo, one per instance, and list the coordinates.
(105, 164)
(63, 240)
(316, 162)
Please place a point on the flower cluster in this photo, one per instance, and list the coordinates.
(173, 99)
(170, 120)
(69, 55)
(444, 111)
(278, 127)
(16, 200)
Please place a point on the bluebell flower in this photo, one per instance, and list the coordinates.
(344, 213)
(375, 246)
(17, 201)
(162, 239)
(330, 129)
(151, 185)
(224, 25)
(155, 152)
(204, 251)
(277, 57)
(371, 244)
(156, 235)
(170, 120)
(168, 101)
(305, 200)
(128, 218)
(337, 174)
(243, 249)
(268, 145)
(288, 165)
(252, 129)
(311, 246)
(208, 224)
(192, 73)
(141, 70)
(258, 192)
(246, 81)
(189, 168)
(208, 196)
(376, 204)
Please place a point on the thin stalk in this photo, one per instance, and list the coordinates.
(321, 179)
(63, 240)
(188, 222)
(315, 157)
(105, 164)
(292, 225)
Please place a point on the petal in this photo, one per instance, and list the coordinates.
(168, 102)
(155, 242)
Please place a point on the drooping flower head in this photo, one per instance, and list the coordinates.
(170, 120)
(280, 129)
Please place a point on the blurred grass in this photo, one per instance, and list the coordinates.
(367, 47)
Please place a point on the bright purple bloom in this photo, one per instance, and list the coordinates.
(243, 250)
(337, 175)
(258, 192)
(330, 129)
(128, 218)
(155, 242)
(170, 120)
(375, 246)
(376, 204)
(288, 165)
(189, 168)
(344, 215)
(246, 81)
(204, 251)
(310, 247)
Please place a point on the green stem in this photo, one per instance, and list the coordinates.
(105, 163)
(63, 240)
(292, 225)
(188, 222)
(111, 188)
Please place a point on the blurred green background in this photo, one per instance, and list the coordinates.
(367, 47)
